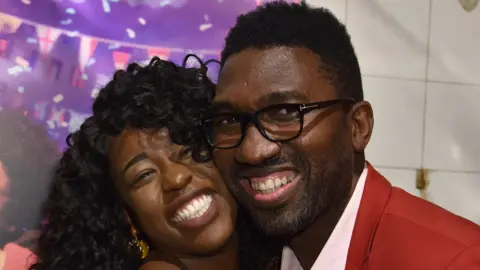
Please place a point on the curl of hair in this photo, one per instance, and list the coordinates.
(28, 154)
(87, 228)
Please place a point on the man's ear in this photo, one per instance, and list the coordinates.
(362, 125)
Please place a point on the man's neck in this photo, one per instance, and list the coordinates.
(308, 244)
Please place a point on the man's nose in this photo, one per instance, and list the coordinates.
(255, 148)
(176, 176)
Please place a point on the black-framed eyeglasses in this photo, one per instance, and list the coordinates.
(277, 123)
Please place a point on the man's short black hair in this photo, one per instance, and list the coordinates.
(299, 25)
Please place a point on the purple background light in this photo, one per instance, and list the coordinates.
(54, 88)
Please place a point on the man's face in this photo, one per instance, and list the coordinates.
(315, 170)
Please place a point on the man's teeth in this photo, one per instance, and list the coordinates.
(194, 209)
(271, 184)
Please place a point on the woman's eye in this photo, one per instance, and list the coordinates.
(144, 175)
(225, 121)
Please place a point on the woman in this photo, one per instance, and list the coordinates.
(128, 194)
(27, 155)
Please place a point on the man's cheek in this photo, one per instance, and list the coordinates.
(232, 187)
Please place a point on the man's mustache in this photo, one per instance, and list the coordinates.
(268, 165)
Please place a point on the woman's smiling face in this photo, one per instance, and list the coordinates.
(183, 207)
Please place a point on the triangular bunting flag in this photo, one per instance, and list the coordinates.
(3, 47)
(162, 53)
(47, 37)
(121, 59)
(9, 24)
(77, 78)
(87, 48)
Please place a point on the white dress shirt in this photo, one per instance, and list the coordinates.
(334, 254)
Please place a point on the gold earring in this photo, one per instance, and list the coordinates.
(140, 245)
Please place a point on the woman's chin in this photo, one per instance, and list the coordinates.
(214, 241)
(211, 238)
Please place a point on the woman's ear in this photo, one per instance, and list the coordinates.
(127, 217)
(130, 219)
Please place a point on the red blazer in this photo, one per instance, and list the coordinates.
(398, 231)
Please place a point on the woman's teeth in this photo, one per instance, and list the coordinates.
(271, 184)
(194, 209)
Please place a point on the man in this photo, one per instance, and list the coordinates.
(289, 127)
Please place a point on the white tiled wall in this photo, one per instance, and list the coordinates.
(421, 65)
(404, 101)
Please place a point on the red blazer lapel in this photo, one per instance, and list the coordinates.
(374, 200)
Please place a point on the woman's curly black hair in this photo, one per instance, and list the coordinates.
(87, 228)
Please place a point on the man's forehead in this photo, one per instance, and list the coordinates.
(279, 65)
(253, 75)
(260, 98)
(248, 80)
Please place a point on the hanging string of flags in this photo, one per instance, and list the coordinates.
(47, 36)
(53, 113)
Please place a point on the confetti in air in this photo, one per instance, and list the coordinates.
(106, 6)
(31, 40)
(17, 70)
(157, 3)
(207, 25)
(95, 92)
(70, 11)
(130, 33)
(91, 61)
(58, 98)
(72, 33)
(66, 22)
(22, 62)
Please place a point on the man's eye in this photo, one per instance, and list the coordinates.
(285, 112)
(281, 114)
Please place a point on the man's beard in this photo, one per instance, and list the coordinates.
(326, 184)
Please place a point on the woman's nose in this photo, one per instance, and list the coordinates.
(176, 177)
